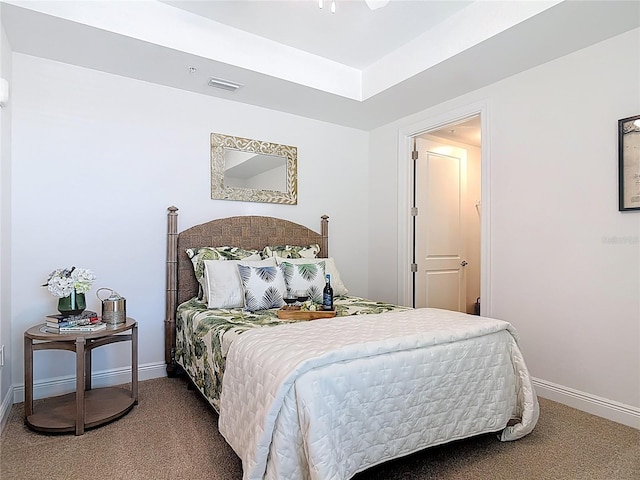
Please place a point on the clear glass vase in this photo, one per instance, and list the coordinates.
(74, 304)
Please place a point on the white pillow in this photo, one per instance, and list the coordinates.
(307, 277)
(329, 267)
(264, 287)
(223, 284)
(199, 255)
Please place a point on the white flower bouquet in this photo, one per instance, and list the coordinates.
(62, 282)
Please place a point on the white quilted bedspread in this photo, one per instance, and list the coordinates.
(329, 398)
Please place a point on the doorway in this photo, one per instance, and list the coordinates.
(446, 216)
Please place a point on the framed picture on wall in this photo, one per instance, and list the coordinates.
(629, 163)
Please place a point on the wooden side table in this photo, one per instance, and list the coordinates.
(85, 408)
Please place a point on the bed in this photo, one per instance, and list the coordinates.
(332, 397)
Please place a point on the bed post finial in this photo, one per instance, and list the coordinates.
(172, 289)
(324, 231)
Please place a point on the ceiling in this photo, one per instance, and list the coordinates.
(355, 35)
(359, 67)
(466, 131)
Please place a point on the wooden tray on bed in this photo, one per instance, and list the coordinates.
(291, 314)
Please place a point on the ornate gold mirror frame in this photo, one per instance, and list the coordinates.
(259, 163)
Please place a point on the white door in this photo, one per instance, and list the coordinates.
(439, 236)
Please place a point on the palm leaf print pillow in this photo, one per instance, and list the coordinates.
(308, 277)
(264, 287)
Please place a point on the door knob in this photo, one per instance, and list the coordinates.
(464, 263)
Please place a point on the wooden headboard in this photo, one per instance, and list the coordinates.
(248, 232)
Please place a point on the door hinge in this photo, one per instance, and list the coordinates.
(414, 155)
(414, 267)
(414, 211)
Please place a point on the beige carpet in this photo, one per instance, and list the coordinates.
(172, 434)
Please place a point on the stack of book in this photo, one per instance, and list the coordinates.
(87, 321)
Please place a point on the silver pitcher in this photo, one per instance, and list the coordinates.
(114, 307)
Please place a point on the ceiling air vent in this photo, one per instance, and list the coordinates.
(224, 84)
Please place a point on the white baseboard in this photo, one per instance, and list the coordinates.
(7, 402)
(602, 407)
(61, 385)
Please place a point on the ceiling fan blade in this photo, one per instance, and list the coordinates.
(375, 4)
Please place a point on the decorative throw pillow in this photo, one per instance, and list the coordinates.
(224, 287)
(329, 267)
(264, 287)
(199, 255)
(306, 277)
(291, 251)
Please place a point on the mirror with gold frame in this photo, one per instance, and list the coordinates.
(250, 170)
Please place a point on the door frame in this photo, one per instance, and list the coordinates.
(405, 195)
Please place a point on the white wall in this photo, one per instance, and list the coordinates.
(472, 216)
(565, 264)
(6, 380)
(98, 158)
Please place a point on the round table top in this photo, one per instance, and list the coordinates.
(42, 332)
